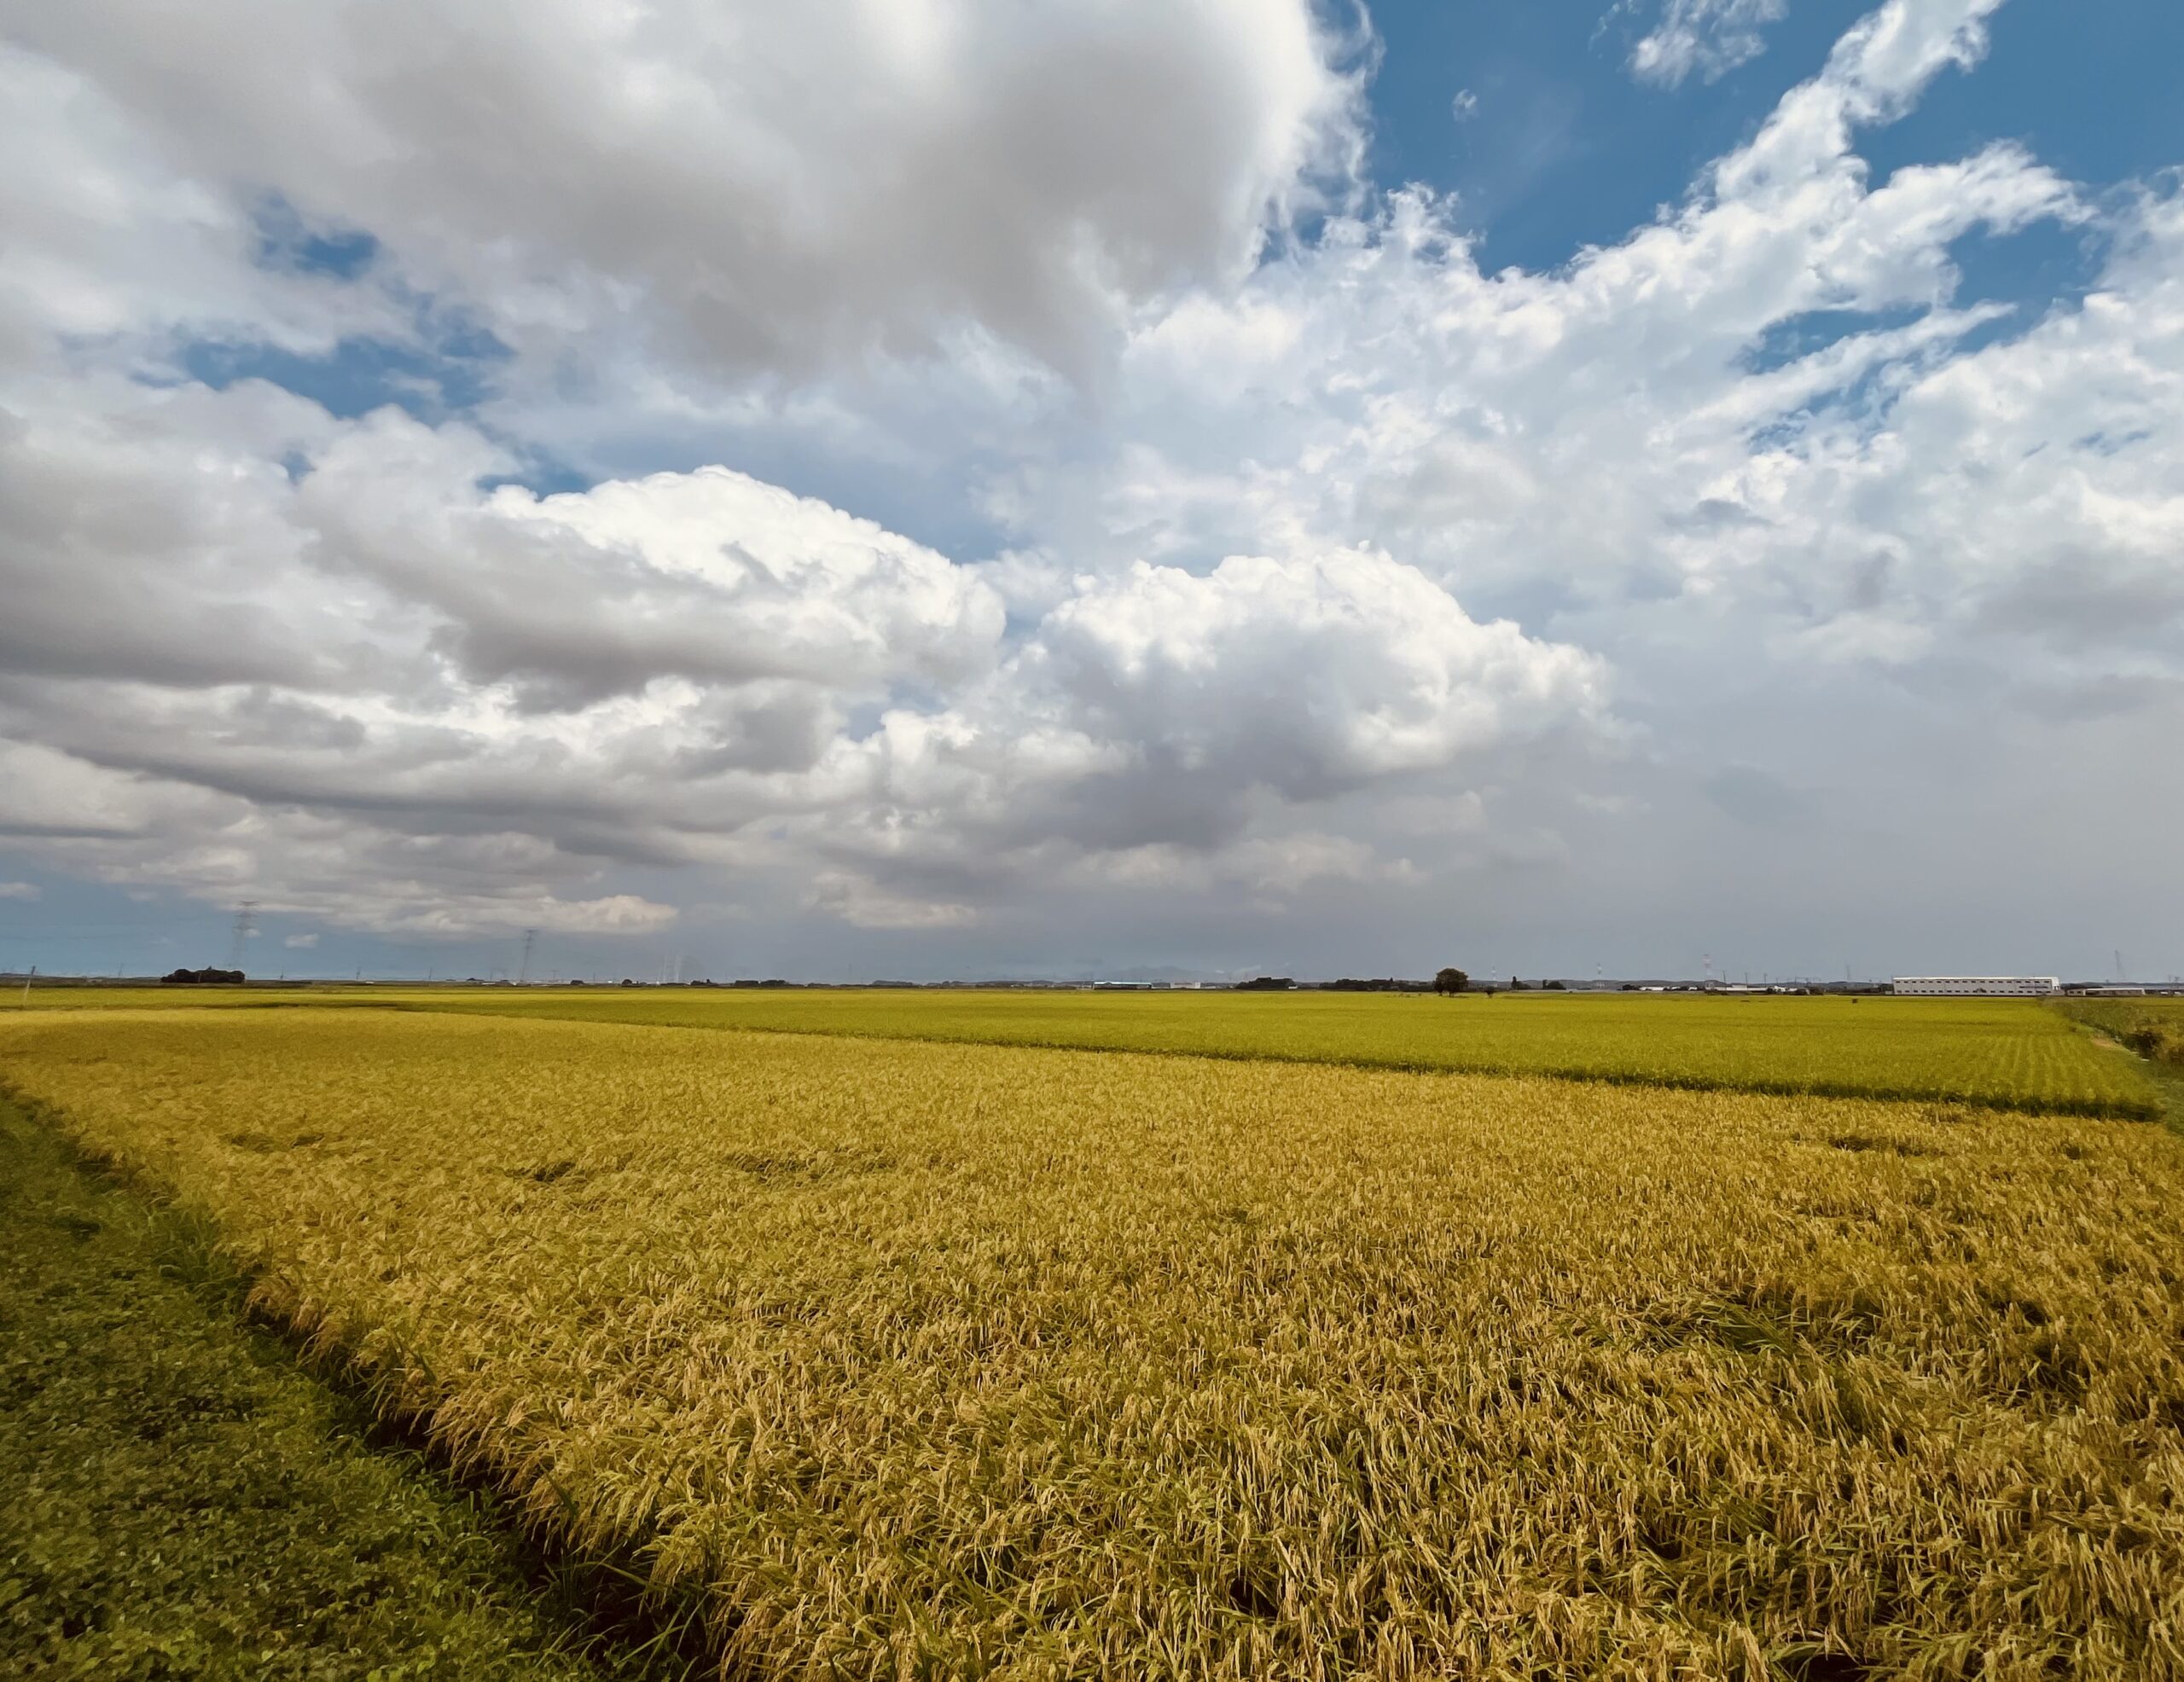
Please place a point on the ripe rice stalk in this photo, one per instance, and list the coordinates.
(908, 1358)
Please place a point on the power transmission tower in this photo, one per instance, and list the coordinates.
(522, 975)
(245, 919)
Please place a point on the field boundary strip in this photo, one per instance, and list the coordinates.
(233, 1363)
(2154, 1038)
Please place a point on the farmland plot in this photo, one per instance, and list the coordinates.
(905, 1359)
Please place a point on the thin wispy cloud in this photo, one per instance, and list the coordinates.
(1706, 38)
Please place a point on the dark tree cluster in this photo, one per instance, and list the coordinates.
(207, 978)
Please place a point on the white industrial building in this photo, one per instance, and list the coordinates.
(2013, 986)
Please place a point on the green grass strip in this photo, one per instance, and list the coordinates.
(179, 1498)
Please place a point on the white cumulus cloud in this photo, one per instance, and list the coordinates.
(767, 187)
(1016, 516)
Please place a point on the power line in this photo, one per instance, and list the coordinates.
(245, 918)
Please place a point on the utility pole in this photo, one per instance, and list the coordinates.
(522, 975)
(244, 917)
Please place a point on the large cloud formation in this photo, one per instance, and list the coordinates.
(367, 643)
(783, 181)
(1311, 560)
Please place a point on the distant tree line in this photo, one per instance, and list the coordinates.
(207, 978)
(1446, 981)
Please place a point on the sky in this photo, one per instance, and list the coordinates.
(948, 489)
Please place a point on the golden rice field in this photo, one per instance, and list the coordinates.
(898, 1358)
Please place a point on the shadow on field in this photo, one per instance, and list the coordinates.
(187, 1488)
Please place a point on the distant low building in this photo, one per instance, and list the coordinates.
(2012, 986)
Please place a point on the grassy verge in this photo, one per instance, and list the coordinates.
(178, 1500)
(2152, 1029)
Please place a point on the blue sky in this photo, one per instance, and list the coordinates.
(1565, 148)
(1086, 511)
(1559, 146)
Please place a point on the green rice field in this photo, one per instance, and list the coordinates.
(2003, 1052)
(1998, 1052)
